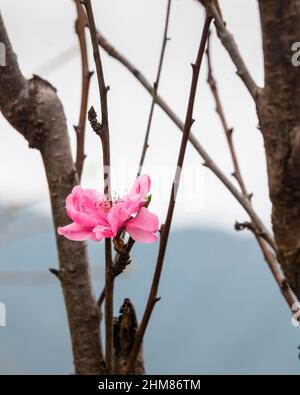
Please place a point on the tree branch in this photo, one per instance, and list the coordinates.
(192, 138)
(278, 111)
(227, 130)
(166, 227)
(33, 108)
(104, 135)
(268, 255)
(273, 264)
(228, 41)
(121, 261)
(155, 88)
(80, 24)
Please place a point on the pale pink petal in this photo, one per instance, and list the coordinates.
(76, 232)
(136, 198)
(83, 206)
(143, 227)
(140, 188)
(117, 216)
(101, 232)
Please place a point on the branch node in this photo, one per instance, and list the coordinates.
(92, 117)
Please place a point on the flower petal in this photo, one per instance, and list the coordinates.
(136, 198)
(76, 232)
(117, 216)
(101, 232)
(140, 188)
(84, 206)
(143, 227)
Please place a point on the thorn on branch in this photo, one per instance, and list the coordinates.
(244, 225)
(249, 196)
(55, 272)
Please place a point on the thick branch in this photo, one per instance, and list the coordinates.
(166, 227)
(278, 111)
(34, 109)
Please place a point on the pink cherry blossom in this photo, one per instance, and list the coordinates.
(95, 218)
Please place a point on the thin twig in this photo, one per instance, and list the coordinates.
(192, 138)
(230, 44)
(109, 279)
(270, 258)
(228, 131)
(166, 227)
(273, 264)
(104, 135)
(121, 261)
(80, 24)
(155, 88)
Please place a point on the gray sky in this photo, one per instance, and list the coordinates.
(41, 30)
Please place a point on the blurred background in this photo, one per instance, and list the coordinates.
(220, 306)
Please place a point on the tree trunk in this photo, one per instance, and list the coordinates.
(278, 108)
(34, 109)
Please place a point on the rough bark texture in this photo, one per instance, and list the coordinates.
(125, 328)
(34, 109)
(278, 108)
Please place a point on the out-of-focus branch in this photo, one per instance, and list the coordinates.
(33, 108)
(155, 88)
(104, 135)
(192, 138)
(273, 264)
(152, 299)
(80, 24)
(227, 130)
(228, 41)
(269, 256)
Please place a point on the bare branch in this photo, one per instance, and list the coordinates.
(155, 88)
(104, 135)
(227, 130)
(192, 138)
(270, 258)
(121, 261)
(228, 41)
(166, 227)
(109, 278)
(273, 264)
(80, 24)
(34, 109)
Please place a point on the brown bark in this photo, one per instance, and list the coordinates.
(278, 108)
(125, 329)
(33, 108)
